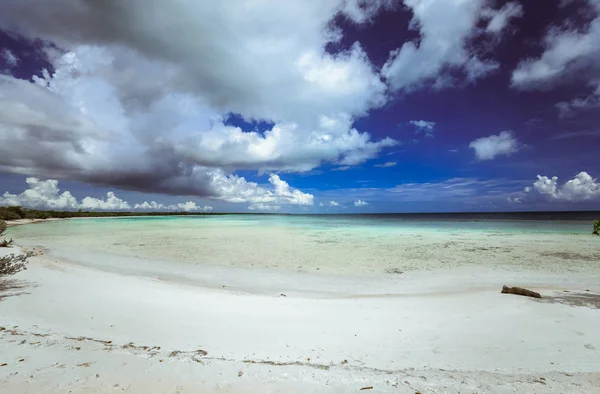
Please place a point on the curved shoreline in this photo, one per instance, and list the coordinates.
(148, 326)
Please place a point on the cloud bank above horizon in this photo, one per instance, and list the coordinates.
(224, 100)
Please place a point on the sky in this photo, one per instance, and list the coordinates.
(302, 106)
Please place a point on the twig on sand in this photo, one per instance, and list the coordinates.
(520, 291)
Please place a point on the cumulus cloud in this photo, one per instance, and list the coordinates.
(445, 28)
(112, 202)
(334, 203)
(237, 190)
(187, 206)
(46, 195)
(41, 194)
(140, 102)
(487, 148)
(263, 207)
(216, 50)
(581, 188)
(568, 55)
(386, 164)
(360, 203)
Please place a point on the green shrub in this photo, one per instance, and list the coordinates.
(596, 227)
(10, 265)
(5, 214)
(3, 242)
(18, 211)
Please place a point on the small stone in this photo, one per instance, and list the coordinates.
(240, 374)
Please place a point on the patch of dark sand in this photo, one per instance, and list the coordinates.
(572, 256)
(589, 300)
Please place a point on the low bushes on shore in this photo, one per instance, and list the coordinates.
(4, 243)
(11, 264)
(16, 213)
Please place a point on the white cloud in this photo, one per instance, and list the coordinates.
(386, 164)
(237, 190)
(46, 195)
(566, 52)
(188, 206)
(514, 200)
(150, 206)
(569, 108)
(112, 202)
(445, 27)
(271, 72)
(568, 55)
(139, 101)
(263, 207)
(41, 194)
(487, 148)
(342, 168)
(424, 126)
(10, 58)
(476, 68)
(321, 204)
(500, 18)
(360, 203)
(334, 203)
(361, 11)
(581, 188)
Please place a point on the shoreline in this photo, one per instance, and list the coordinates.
(80, 325)
(21, 222)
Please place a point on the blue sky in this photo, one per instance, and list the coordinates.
(333, 106)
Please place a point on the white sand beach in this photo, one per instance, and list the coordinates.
(103, 322)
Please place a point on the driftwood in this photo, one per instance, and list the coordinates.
(520, 291)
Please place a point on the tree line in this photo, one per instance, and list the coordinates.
(17, 212)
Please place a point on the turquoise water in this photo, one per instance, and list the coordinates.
(366, 224)
(334, 244)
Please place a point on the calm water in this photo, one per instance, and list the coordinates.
(354, 244)
(528, 222)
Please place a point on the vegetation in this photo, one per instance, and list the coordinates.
(4, 243)
(596, 227)
(16, 212)
(11, 264)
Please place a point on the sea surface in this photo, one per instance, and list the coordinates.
(355, 244)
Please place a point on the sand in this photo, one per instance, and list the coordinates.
(18, 222)
(99, 322)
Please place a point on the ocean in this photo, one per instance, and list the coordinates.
(334, 244)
